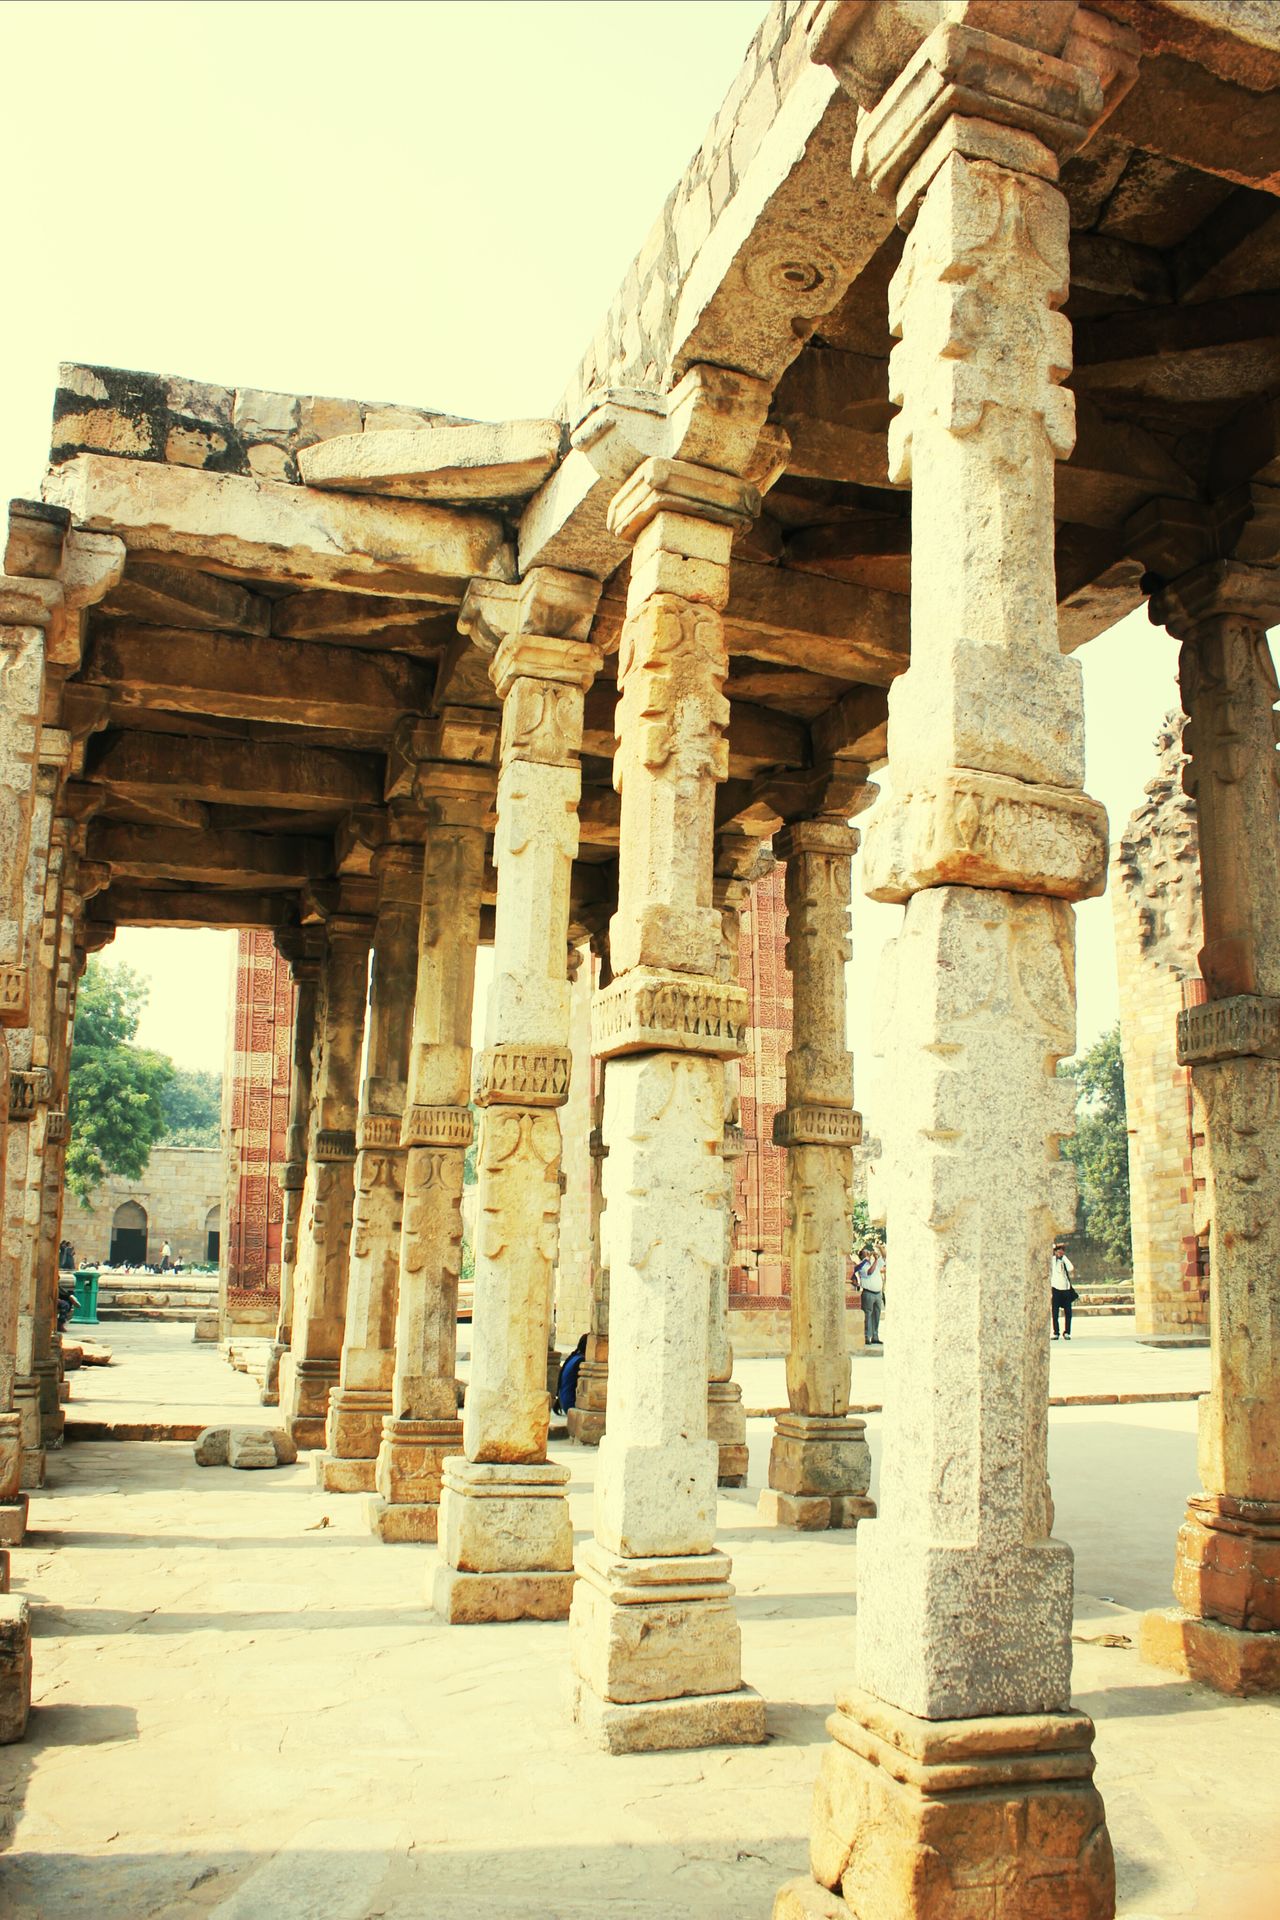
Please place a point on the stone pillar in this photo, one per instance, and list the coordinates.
(362, 1398)
(655, 1642)
(726, 1420)
(819, 1464)
(1226, 1628)
(22, 676)
(586, 1417)
(309, 1370)
(423, 1428)
(959, 1779)
(572, 1307)
(506, 1541)
(303, 952)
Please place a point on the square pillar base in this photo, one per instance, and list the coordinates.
(13, 1521)
(663, 1726)
(305, 1391)
(399, 1522)
(813, 1512)
(944, 1819)
(1228, 1562)
(35, 1467)
(586, 1418)
(727, 1426)
(657, 1653)
(506, 1542)
(343, 1476)
(353, 1430)
(820, 1456)
(1226, 1658)
(15, 1667)
(4, 1569)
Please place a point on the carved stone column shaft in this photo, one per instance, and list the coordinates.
(362, 1398)
(423, 1428)
(305, 970)
(310, 1369)
(504, 1521)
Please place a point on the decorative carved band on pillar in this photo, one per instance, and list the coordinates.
(506, 1539)
(1225, 1629)
(29, 1089)
(964, 1601)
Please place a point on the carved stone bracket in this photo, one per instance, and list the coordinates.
(380, 1130)
(514, 1075)
(13, 996)
(29, 1088)
(649, 1011)
(1247, 1026)
(335, 1143)
(293, 1176)
(989, 830)
(55, 1127)
(815, 1125)
(437, 1127)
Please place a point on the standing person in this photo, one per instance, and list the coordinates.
(871, 1279)
(166, 1257)
(1061, 1291)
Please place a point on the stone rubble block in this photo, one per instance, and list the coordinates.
(485, 462)
(244, 1447)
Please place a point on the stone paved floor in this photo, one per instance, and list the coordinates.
(244, 1714)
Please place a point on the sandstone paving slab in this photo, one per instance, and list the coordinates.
(220, 1682)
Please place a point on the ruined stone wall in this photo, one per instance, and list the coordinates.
(181, 1187)
(256, 1106)
(1155, 895)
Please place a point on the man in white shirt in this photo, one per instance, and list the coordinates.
(871, 1279)
(1061, 1291)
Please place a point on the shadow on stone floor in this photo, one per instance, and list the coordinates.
(724, 1880)
(136, 1539)
(1158, 1701)
(95, 1621)
(792, 1606)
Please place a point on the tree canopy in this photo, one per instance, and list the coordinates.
(1100, 1148)
(116, 1095)
(192, 1104)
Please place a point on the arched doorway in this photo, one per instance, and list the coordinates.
(213, 1233)
(129, 1235)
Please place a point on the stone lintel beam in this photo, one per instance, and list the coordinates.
(455, 744)
(331, 615)
(240, 677)
(263, 529)
(129, 905)
(247, 773)
(857, 726)
(177, 596)
(248, 861)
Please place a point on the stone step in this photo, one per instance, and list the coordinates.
(1093, 1310)
(148, 1313)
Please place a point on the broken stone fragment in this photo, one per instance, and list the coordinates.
(480, 462)
(244, 1447)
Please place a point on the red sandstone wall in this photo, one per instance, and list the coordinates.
(258, 1072)
(758, 1279)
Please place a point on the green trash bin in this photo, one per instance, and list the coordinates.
(85, 1311)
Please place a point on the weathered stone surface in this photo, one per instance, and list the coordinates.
(505, 1519)
(249, 1450)
(470, 1599)
(653, 1628)
(987, 830)
(482, 461)
(13, 1517)
(15, 1667)
(264, 529)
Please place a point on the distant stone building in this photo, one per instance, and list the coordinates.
(178, 1199)
(255, 1118)
(1155, 893)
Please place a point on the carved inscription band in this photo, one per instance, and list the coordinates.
(437, 1127)
(817, 1126)
(518, 1076)
(651, 1012)
(335, 1143)
(1246, 1026)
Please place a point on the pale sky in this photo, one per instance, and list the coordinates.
(427, 203)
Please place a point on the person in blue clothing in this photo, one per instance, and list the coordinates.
(567, 1383)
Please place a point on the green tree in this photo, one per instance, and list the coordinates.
(192, 1104)
(1100, 1148)
(116, 1095)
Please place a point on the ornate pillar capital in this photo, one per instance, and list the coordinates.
(1219, 589)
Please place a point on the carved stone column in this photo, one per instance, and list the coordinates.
(506, 1541)
(1226, 1628)
(959, 1779)
(72, 881)
(362, 1398)
(726, 1420)
(586, 1417)
(309, 1371)
(655, 1642)
(423, 1428)
(819, 1464)
(303, 950)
